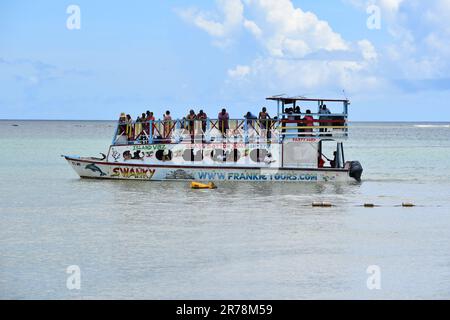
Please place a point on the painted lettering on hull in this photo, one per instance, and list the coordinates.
(242, 176)
(133, 173)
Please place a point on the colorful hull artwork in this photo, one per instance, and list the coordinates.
(87, 168)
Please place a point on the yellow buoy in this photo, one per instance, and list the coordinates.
(199, 185)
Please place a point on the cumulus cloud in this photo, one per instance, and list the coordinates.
(420, 44)
(292, 32)
(218, 27)
(288, 38)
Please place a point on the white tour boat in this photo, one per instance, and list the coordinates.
(292, 147)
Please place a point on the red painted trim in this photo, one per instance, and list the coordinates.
(197, 167)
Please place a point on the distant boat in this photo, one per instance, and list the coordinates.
(288, 148)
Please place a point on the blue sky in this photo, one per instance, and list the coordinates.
(138, 55)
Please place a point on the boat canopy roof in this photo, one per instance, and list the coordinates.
(289, 100)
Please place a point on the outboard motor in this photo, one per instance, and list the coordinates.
(355, 170)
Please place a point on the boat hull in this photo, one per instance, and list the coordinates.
(100, 169)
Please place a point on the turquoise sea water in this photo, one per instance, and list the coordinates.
(158, 240)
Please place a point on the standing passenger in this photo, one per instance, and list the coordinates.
(324, 110)
(191, 123)
(152, 119)
(298, 118)
(308, 120)
(202, 117)
(223, 121)
(122, 124)
(129, 127)
(138, 128)
(167, 124)
(263, 118)
(146, 125)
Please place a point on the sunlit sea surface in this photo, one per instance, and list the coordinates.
(161, 240)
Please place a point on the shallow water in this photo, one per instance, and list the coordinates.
(161, 240)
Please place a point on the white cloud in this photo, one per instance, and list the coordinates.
(390, 6)
(232, 12)
(253, 28)
(288, 37)
(292, 32)
(239, 71)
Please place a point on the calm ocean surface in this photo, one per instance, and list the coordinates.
(161, 240)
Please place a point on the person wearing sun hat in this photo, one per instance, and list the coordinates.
(122, 123)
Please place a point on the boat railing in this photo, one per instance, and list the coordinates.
(231, 130)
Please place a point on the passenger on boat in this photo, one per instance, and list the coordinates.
(263, 118)
(298, 118)
(167, 124)
(129, 128)
(223, 121)
(290, 122)
(137, 128)
(143, 134)
(324, 110)
(146, 124)
(334, 161)
(308, 120)
(122, 124)
(321, 162)
(202, 117)
(250, 120)
(191, 117)
(152, 119)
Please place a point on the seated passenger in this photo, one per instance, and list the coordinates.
(321, 162)
(333, 162)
